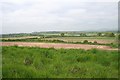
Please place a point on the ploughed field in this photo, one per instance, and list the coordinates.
(34, 62)
(57, 45)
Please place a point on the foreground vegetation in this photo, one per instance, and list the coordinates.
(29, 62)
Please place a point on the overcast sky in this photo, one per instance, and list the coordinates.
(20, 16)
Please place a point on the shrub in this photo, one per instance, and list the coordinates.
(85, 41)
(110, 34)
(99, 34)
(95, 42)
(62, 34)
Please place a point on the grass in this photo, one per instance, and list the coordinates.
(31, 62)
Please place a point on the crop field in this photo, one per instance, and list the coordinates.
(91, 39)
(59, 39)
(59, 55)
(58, 45)
(106, 41)
(34, 62)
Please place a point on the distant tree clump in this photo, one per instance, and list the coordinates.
(119, 36)
(110, 34)
(99, 34)
(62, 34)
(83, 35)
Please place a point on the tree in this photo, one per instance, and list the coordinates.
(85, 41)
(83, 34)
(62, 34)
(110, 34)
(118, 36)
(99, 34)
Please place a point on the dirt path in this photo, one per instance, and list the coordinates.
(57, 45)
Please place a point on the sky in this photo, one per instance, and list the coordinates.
(24, 16)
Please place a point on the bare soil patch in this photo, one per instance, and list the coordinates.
(57, 45)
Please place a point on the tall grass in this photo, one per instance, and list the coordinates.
(29, 62)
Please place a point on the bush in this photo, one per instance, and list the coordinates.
(95, 42)
(85, 41)
(110, 34)
(62, 34)
(99, 34)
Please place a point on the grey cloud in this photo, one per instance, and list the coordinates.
(45, 16)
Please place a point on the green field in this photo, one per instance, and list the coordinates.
(29, 62)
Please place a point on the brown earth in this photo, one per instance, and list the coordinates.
(57, 45)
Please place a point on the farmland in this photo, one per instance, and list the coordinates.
(60, 55)
(59, 39)
(91, 39)
(58, 45)
(69, 38)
